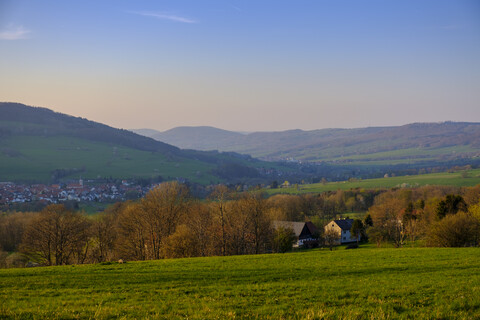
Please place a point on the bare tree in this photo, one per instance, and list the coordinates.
(131, 236)
(331, 238)
(57, 236)
(220, 195)
(142, 227)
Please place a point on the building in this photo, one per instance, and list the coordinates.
(342, 228)
(306, 232)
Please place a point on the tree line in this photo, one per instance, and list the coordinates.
(435, 216)
(169, 223)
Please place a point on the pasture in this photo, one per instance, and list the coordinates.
(468, 178)
(408, 283)
(35, 158)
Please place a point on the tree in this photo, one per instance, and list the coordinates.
(131, 237)
(204, 228)
(104, 235)
(143, 226)
(459, 230)
(162, 209)
(57, 236)
(377, 235)
(180, 244)
(357, 229)
(368, 222)
(451, 205)
(283, 239)
(12, 227)
(474, 210)
(331, 238)
(220, 195)
(256, 207)
(387, 215)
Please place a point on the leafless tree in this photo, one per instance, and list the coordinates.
(57, 236)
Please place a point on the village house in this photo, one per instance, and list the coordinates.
(306, 232)
(342, 228)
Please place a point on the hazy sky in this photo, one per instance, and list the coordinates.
(246, 65)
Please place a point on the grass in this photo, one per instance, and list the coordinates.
(36, 157)
(409, 283)
(410, 155)
(440, 179)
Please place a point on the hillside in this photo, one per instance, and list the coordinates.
(39, 145)
(408, 144)
(408, 283)
(209, 138)
(468, 178)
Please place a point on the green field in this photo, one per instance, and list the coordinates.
(392, 157)
(34, 159)
(457, 179)
(367, 283)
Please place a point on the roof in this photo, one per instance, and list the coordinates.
(311, 227)
(344, 224)
(297, 227)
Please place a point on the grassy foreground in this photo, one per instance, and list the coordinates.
(413, 283)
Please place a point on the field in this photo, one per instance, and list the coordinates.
(34, 158)
(371, 283)
(459, 179)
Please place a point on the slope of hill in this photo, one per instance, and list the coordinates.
(39, 145)
(412, 143)
(197, 138)
(464, 178)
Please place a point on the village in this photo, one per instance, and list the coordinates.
(12, 193)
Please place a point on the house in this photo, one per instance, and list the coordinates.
(342, 228)
(286, 184)
(306, 232)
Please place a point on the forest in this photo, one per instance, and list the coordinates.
(170, 223)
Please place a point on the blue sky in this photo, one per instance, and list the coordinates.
(244, 65)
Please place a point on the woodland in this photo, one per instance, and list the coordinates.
(170, 223)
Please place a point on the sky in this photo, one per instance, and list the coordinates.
(244, 65)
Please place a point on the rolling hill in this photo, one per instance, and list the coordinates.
(415, 143)
(40, 145)
(197, 138)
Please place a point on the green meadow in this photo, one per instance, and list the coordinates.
(30, 158)
(468, 178)
(366, 283)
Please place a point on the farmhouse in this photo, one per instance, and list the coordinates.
(306, 232)
(342, 228)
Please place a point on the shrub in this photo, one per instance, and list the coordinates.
(455, 230)
(284, 239)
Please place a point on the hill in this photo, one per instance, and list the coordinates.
(416, 143)
(208, 138)
(40, 145)
(409, 283)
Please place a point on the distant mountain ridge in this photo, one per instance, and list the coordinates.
(418, 140)
(196, 138)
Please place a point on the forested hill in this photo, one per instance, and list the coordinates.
(19, 119)
(412, 142)
(40, 145)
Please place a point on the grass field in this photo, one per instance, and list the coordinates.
(401, 156)
(34, 158)
(440, 179)
(367, 283)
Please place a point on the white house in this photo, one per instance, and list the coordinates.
(342, 228)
